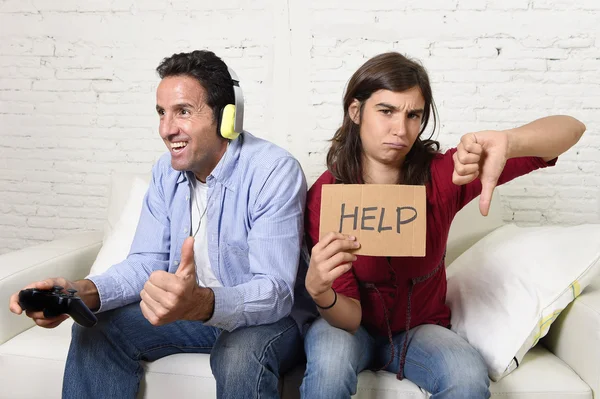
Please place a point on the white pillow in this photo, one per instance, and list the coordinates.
(117, 242)
(507, 289)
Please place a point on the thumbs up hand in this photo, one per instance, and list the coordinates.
(483, 155)
(187, 264)
(169, 297)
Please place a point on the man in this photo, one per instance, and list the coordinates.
(228, 289)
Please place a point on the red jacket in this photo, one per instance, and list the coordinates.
(376, 280)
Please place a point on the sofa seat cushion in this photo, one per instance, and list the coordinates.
(42, 353)
(541, 375)
(32, 364)
(184, 375)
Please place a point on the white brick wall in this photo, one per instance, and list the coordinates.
(77, 88)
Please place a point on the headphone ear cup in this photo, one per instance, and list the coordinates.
(226, 127)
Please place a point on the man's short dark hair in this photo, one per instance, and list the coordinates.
(210, 71)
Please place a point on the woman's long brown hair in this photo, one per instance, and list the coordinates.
(389, 71)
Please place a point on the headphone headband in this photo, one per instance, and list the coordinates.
(238, 125)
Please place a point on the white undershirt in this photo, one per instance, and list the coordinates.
(206, 277)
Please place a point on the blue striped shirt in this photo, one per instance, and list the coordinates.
(255, 216)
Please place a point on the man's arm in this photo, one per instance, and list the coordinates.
(274, 243)
(168, 297)
(87, 291)
(122, 283)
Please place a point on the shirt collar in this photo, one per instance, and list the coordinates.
(223, 172)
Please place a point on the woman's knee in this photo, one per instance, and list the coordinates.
(326, 344)
(453, 368)
(334, 359)
(466, 375)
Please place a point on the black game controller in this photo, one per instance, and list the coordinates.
(55, 302)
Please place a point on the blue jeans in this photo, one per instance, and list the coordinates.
(104, 361)
(437, 360)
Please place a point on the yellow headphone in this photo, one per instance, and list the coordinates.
(232, 115)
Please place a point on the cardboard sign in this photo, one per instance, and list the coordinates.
(386, 219)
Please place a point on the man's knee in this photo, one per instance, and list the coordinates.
(257, 346)
(113, 328)
(80, 335)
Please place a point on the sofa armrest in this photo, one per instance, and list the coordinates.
(70, 257)
(575, 336)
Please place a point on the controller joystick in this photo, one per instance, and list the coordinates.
(54, 302)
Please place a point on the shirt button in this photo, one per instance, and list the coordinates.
(176, 263)
(185, 230)
(187, 197)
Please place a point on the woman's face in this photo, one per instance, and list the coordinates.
(389, 124)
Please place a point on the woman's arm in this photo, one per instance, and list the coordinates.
(546, 138)
(345, 314)
(330, 259)
(484, 154)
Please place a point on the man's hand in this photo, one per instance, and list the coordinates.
(38, 317)
(482, 154)
(169, 297)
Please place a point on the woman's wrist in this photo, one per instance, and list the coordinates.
(326, 300)
(515, 145)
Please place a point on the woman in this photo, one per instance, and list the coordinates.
(368, 303)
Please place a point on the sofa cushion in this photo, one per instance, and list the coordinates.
(42, 353)
(189, 372)
(541, 376)
(469, 226)
(119, 231)
(380, 385)
(507, 289)
(120, 192)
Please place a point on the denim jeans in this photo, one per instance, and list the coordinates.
(437, 360)
(104, 361)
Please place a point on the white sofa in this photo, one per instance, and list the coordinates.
(566, 364)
